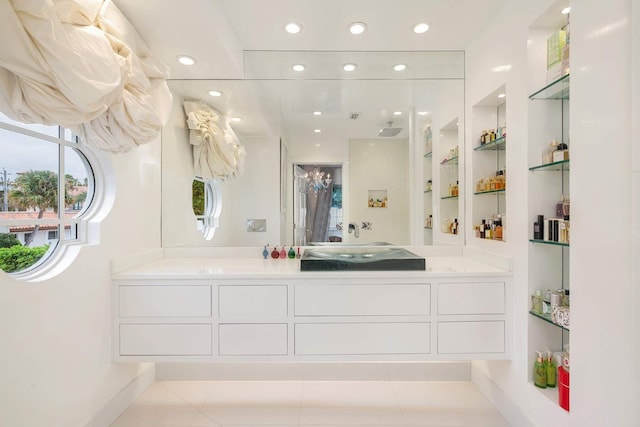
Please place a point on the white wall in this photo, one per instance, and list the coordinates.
(55, 362)
(380, 164)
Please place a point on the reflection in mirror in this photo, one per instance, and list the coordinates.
(318, 118)
(317, 204)
(207, 203)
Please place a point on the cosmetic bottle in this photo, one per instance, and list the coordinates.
(498, 232)
(274, 253)
(298, 254)
(536, 302)
(538, 228)
(265, 252)
(550, 367)
(283, 253)
(291, 253)
(561, 153)
(547, 154)
(539, 372)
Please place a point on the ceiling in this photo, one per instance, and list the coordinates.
(221, 33)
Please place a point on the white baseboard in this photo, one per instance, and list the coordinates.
(509, 410)
(125, 397)
(426, 371)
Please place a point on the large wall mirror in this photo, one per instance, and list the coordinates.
(368, 123)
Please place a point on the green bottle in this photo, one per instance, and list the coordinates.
(539, 372)
(550, 367)
(292, 253)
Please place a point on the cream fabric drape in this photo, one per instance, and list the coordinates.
(217, 153)
(80, 64)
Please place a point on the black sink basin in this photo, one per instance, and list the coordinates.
(360, 259)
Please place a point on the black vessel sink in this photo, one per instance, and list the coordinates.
(360, 259)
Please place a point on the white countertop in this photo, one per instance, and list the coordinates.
(231, 268)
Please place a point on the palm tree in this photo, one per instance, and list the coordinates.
(38, 190)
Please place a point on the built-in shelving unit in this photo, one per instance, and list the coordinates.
(489, 131)
(549, 181)
(450, 181)
(428, 185)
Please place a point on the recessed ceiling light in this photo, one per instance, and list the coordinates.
(397, 113)
(298, 67)
(421, 27)
(293, 28)
(317, 130)
(399, 67)
(349, 67)
(186, 60)
(215, 93)
(566, 10)
(236, 119)
(501, 95)
(317, 113)
(423, 113)
(317, 145)
(357, 28)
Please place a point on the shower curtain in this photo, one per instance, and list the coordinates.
(318, 209)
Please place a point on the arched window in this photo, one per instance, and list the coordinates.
(207, 204)
(47, 186)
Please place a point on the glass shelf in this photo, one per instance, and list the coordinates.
(427, 191)
(562, 165)
(549, 242)
(498, 144)
(428, 228)
(559, 89)
(451, 161)
(428, 154)
(449, 197)
(501, 191)
(547, 318)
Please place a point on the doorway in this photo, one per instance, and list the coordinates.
(317, 203)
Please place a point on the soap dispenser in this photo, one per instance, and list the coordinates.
(539, 372)
(551, 370)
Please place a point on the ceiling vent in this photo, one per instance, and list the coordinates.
(389, 131)
(354, 116)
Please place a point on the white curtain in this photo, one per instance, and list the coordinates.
(217, 153)
(80, 64)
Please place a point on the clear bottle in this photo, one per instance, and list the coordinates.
(536, 302)
(547, 154)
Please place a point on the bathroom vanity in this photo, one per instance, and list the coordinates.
(250, 309)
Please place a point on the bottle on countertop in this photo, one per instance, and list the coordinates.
(265, 252)
(275, 254)
(283, 253)
(291, 254)
(539, 372)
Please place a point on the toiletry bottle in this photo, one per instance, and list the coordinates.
(547, 155)
(265, 252)
(539, 372)
(536, 302)
(551, 370)
(498, 233)
(298, 254)
(561, 153)
(291, 253)
(274, 253)
(283, 253)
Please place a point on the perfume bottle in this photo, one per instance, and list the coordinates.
(539, 372)
(547, 154)
(265, 252)
(283, 253)
(292, 253)
(274, 253)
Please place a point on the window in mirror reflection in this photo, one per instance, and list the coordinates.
(317, 203)
(207, 203)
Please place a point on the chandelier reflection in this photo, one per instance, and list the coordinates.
(316, 181)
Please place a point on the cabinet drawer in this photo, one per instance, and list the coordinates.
(165, 340)
(471, 298)
(471, 337)
(246, 301)
(165, 301)
(251, 339)
(363, 300)
(361, 338)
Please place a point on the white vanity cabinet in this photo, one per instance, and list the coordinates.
(386, 316)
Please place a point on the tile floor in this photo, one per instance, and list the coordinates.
(311, 403)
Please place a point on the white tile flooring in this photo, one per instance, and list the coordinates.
(311, 403)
